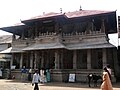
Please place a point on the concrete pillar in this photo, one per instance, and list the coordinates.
(31, 60)
(21, 60)
(88, 59)
(74, 59)
(104, 58)
(57, 66)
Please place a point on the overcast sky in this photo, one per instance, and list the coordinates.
(12, 11)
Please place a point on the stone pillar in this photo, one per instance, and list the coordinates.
(11, 62)
(35, 62)
(42, 60)
(116, 66)
(74, 59)
(57, 66)
(21, 60)
(104, 58)
(31, 60)
(88, 59)
(61, 60)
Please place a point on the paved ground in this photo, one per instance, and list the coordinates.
(16, 85)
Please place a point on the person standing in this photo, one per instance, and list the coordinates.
(29, 74)
(42, 75)
(106, 85)
(35, 80)
(48, 75)
(23, 73)
(45, 77)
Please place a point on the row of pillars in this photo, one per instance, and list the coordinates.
(57, 59)
(104, 58)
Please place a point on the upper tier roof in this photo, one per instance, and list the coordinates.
(73, 14)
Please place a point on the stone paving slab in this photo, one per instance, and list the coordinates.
(17, 85)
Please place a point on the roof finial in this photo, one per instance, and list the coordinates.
(60, 10)
(43, 13)
(80, 8)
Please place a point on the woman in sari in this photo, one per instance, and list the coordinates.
(106, 85)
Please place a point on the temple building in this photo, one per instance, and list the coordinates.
(66, 43)
(5, 43)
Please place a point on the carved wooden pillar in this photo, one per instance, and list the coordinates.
(104, 57)
(88, 59)
(74, 59)
(21, 60)
(22, 37)
(103, 25)
(92, 25)
(36, 30)
(32, 33)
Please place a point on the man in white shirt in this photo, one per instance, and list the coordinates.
(35, 80)
(109, 69)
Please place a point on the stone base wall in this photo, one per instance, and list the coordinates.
(16, 74)
(80, 75)
(62, 75)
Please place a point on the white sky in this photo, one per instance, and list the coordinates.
(12, 11)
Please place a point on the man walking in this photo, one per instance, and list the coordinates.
(35, 80)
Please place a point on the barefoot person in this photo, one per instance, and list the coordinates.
(106, 85)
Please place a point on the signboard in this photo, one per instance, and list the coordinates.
(71, 77)
(13, 67)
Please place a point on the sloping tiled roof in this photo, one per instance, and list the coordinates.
(73, 14)
(89, 46)
(45, 46)
(82, 13)
(51, 14)
(12, 29)
(5, 39)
